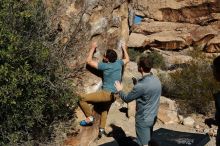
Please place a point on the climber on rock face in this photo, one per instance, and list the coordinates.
(112, 71)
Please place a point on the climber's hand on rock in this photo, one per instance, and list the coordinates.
(94, 45)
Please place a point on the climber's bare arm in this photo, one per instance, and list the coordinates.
(126, 58)
(90, 61)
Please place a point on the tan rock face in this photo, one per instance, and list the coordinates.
(167, 111)
(169, 40)
(177, 24)
(168, 24)
(75, 24)
(175, 10)
(197, 14)
(157, 26)
(214, 45)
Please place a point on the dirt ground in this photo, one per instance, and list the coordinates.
(122, 127)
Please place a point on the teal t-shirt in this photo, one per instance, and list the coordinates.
(111, 73)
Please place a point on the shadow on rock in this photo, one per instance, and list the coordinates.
(119, 135)
(210, 122)
(124, 110)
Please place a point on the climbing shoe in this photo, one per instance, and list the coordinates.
(101, 133)
(87, 122)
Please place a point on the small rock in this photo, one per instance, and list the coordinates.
(211, 133)
(188, 121)
(197, 126)
(206, 130)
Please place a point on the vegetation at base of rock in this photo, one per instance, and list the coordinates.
(134, 53)
(32, 90)
(193, 86)
(158, 60)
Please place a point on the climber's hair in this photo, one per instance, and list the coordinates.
(111, 55)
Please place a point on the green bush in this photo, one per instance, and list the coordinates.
(33, 96)
(157, 58)
(134, 53)
(193, 86)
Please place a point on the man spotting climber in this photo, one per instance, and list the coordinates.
(112, 71)
(146, 92)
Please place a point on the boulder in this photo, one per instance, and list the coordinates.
(84, 138)
(174, 25)
(189, 121)
(136, 40)
(167, 111)
(203, 31)
(213, 46)
(99, 26)
(159, 26)
(131, 109)
(169, 40)
(74, 25)
(191, 11)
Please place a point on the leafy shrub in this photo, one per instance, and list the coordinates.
(194, 85)
(134, 53)
(33, 95)
(158, 59)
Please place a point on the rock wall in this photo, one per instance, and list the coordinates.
(177, 24)
(75, 24)
(167, 25)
